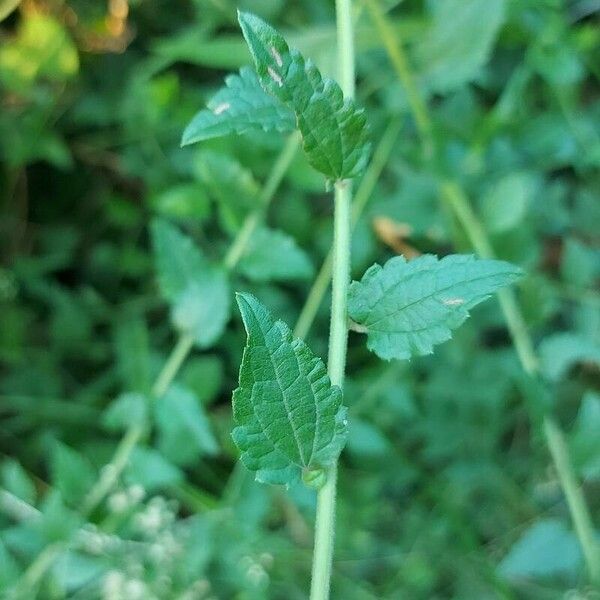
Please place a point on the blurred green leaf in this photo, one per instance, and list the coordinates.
(366, 441)
(126, 410)
(458, 43)
(584, 439)
(204, 376)
(505, 204)
(233, 186)
(183, 202)
(72, 474)
(42, 48)
(133, 359)
(184, 431)
(10, 572)
(150, 469)
(272, 255)
(580, 264)
(560, 352)
(197, 289)
(546, 549)
(15, 479)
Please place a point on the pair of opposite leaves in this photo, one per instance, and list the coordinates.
(290, 420)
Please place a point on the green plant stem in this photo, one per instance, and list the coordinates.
(338, 333)
(112, 471)
(338, 340)
(523, 344)
(282, 164)
(362, 196)
(393, 44)
(575, 499)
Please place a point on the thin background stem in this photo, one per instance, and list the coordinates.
(338, 334)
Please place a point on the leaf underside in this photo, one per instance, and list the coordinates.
(290, 419)
(406, 308)
(242, 105)
(334, 130)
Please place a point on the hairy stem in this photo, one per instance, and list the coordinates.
(362, 196)
(338, 333)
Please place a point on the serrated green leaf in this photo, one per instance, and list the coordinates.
(406, 308)
(334, 130)
(197, 289)
(273, 255)
(239, 107)
(290, 418)
(183, 427)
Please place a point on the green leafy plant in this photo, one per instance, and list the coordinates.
(124, 471)
(291, 422)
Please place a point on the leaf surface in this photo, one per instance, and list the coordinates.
(184, 431)
(546, 549)
(406, 308)
(334, 130)
(242, 105)
(290, 418)
(272, 255)
(560, 352)
(459, 42)
(197, 289)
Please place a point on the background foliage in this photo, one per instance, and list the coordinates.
(446, 487)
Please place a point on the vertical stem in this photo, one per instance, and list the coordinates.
(399, 60)
(173, 364)
(338, 340)
(362, 196)
(338, 334)
(282, 164)
(575, 499)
